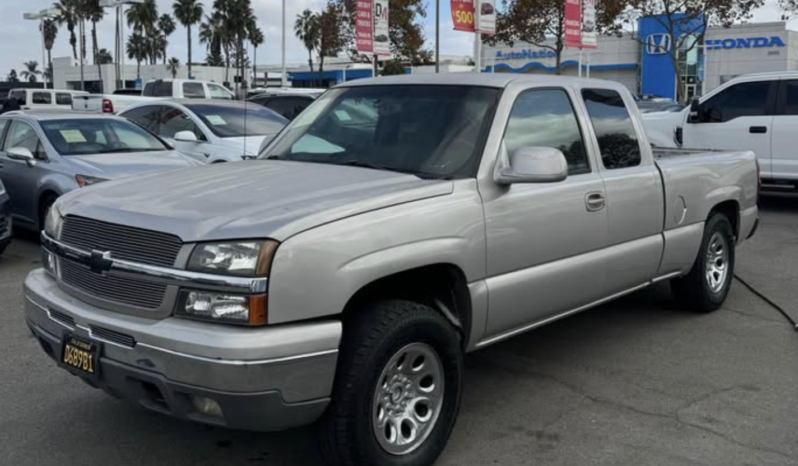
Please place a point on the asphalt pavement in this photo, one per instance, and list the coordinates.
(635, 382)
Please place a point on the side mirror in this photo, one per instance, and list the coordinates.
(695, 111)
(185, 136)
(22, 153)
(534, 165)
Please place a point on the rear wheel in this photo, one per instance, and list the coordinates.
(397, 389)
(705, 288)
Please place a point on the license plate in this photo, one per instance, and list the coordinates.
(80, 355)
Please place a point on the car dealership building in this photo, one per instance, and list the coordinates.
(641, 62)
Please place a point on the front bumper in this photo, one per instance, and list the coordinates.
(263, 379)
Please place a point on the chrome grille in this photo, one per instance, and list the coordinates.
(124, 242)
(123, 290)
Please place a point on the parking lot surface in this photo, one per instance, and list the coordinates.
(635, 382)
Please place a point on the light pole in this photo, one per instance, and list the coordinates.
(119, 43)
(284, 78)
(437, 36)
(40, 17)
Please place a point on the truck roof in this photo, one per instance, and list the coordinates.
(498, 80)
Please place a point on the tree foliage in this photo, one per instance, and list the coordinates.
(12, 76)
(405, 30)
(542, 23)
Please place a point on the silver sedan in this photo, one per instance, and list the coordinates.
(46, 155)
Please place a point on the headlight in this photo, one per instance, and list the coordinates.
(223, 307)
(84, 180)
(242, 258)
(52, 223)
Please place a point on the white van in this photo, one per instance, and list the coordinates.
(756, 112)
(43, 98)
(186, 89)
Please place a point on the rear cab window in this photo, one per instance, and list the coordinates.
(615, 131)
(158, 89)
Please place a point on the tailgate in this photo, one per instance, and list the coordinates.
(87, 103)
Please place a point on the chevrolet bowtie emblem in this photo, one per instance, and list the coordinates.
(100, 261)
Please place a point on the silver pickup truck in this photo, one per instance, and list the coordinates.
(394, 226)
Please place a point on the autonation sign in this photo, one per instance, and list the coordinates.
(746, 43)
(527, 54)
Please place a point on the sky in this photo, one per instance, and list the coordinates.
(20, 40)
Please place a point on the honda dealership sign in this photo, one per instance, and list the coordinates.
(658, 44)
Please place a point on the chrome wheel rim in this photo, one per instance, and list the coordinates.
(717, 263)
(408, 399)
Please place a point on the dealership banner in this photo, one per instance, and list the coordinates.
(487, 16)
(382, 43)
(573, 23)
(364, 26)
(463, 15)
(589, 36)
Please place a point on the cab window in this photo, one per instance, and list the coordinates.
(43, 98)
(62, 98)
(193, 91)
(739, 100)
(218, 92)
(614, 129)
(546, 118)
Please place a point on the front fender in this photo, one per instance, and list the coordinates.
(317, 272)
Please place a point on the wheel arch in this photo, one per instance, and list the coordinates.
(442, 286)
(731, 210)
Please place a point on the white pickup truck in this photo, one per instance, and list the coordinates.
(393, 226)
(757, 112)
(155, 89)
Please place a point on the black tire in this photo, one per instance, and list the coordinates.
(694, 291)
(371, 339)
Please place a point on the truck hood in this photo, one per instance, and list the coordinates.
(255, 199)
(113, 166)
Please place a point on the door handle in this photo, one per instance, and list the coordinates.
(595, 202)
(758, 130)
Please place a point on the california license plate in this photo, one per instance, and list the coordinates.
(80, 355)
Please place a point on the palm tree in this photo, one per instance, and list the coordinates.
(167, 26)
(137, 48)
(66, 14)
(173, 66)
(256, 39)
(188, 13)
(210, 35)
(31, 71)
(157, 46)
(104, 57)
(90, 10)
(306, 29)
(49, 31)
(143, 17)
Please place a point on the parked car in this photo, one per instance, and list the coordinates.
(210, 131)
(108, 103)
(343, 275)
(757, 112)
(5, 219)
(44, 156)
(287, 105)
(43, 98)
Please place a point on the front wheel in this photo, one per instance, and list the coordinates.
(397, 389)
(705, 288)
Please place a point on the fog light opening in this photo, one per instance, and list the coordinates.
(207, 406)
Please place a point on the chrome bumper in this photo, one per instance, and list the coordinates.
(290, 364)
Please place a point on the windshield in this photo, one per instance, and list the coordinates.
(230, 121)
(99, 136)
(430, 131)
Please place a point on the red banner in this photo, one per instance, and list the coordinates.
(463, 15)
(573, 23)
(364, 26)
